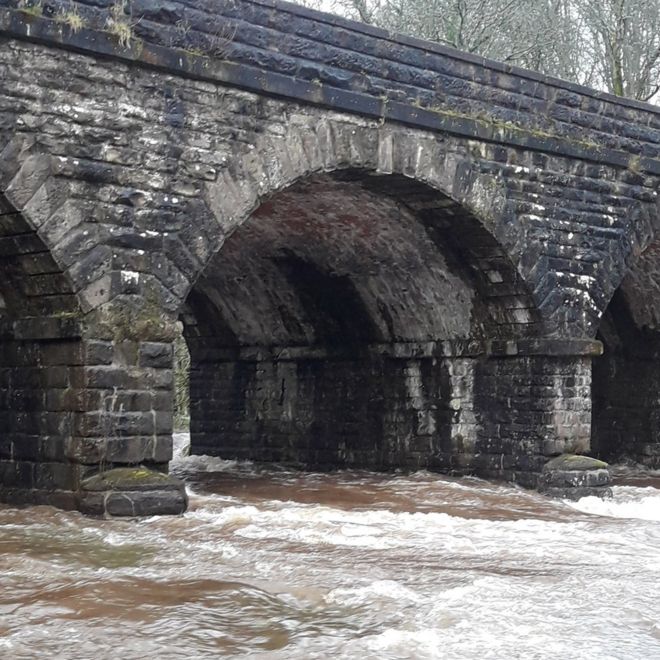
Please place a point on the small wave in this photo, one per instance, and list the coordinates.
(627, 502)
(408, 643)
(203, 463)
(378, 590)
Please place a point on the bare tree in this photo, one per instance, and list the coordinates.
(508, 30)
(623, 38)
(613, 45)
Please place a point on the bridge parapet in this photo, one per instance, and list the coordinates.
(276, 48)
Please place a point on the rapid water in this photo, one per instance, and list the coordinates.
(270, 563)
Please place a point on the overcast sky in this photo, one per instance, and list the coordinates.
(323, 5)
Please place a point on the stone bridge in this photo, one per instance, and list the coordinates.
(384, 253)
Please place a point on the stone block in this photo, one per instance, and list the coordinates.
(572, 476)
(16, 474)
(55, 476)
(157, 355)
(132, 492)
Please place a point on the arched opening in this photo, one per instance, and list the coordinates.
(40, 350)
(626, 379)
(342, 323)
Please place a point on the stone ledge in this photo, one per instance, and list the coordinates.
(60, 499)
(407, 350)
(546, 346)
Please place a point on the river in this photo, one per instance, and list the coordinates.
(272, 563)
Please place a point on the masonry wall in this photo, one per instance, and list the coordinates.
(69, 407)
(563, 179)
(626, 378)
(626, 400)
(136, 165)
(495, 417)
(368, 412)
(36, 412)
(530, 408)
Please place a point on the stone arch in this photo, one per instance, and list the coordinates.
(36, 187)
(638, 239)
(260, 390)
(626, 381)
(79, 394)
(274, 163)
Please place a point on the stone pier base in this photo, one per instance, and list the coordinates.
(132, 491)
(571, 477)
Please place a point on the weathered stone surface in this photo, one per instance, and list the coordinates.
(134, 491)
(130, 479)
(574, 493)
(574, 463)
(384, 253)
(571, 476)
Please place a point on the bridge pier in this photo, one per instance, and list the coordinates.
(534, 399)
(75, 406)
(91, 427)
(626, 379)
(39, 403)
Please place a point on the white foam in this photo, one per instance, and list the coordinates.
(384, 583)
(202, 463)
(426, 643)
(117, 539)
(180, 445)
(627, 502)
(380, 589)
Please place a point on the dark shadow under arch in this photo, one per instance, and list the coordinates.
(337, 326)
(626, 379)
(40, 349)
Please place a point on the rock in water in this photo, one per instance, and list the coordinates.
(134, 492)
(571, 477)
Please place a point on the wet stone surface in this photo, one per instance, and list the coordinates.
(572, 477)
(132, 492)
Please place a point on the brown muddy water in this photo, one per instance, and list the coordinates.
(277, 564)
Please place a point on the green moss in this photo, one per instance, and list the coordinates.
(497, 125)
(576, 458)
(574, 462)
(133, 320)
(126, 478)
(31, 8)
(194, 52)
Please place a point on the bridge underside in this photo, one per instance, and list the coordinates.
(40, 353)
(370, 322)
